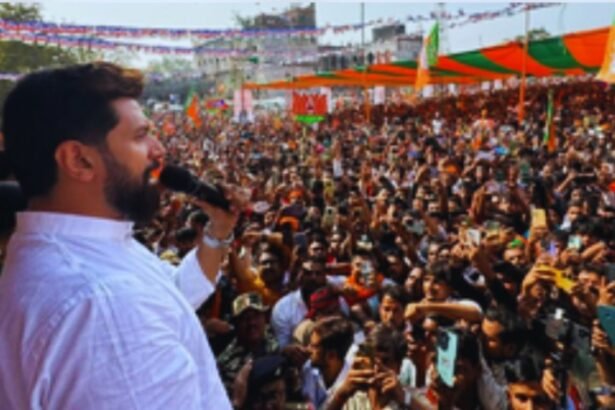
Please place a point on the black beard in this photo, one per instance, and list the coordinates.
(135, 200)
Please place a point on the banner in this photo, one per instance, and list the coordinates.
(309, 108)
(326, 91)
(243, 110)
(379, 95)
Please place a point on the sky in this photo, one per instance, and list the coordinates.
(563, 18)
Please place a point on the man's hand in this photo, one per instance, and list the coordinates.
(550, 385)
(297, 354)
(240, 390)
(414, 312)
(222, 222)
(360, 376)
(600, 340)
(221, 225)
(536, 275)
(389, 385)
(606, 292)
(216, 326)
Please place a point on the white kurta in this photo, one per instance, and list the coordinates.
(90, 319)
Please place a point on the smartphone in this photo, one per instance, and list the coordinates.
(446, 356)
(418, 227)
(473, 237)
(492, 228)
(574, 242)
(366, 270)
(606, 316)
(561, 280)
(367, 350)
(539, 218)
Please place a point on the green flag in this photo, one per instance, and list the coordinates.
(433, 45)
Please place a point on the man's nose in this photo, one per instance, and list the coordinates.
(157, 150)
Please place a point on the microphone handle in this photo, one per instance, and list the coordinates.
(212, 195)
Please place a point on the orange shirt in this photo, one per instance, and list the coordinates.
(256, 284)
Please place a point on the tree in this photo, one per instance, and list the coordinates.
(172, 66)
(20, 58)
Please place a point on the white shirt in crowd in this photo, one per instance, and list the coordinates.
(314, 387)
(290, 310)
(90, 319)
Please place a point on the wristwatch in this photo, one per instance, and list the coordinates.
(215, 243)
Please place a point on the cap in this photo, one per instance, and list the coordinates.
(250, 300)
(265, 369)
(322, 301)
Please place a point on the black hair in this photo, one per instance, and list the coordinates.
(526, 369)
(592, 267)
(186, 235)
(49, 107)
(336, 334)
(588, 226)
(199, 217)
(441, 271)
(514, 330)
(467, 346)
(11, 201)
(509, 271)
(395, 292)
(385, 339)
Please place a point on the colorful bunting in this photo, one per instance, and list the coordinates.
(90, 36)
(571, 54)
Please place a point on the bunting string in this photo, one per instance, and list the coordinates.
(455, 19)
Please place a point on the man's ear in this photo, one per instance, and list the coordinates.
(76, 160)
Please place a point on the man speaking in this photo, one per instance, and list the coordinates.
(89, 319)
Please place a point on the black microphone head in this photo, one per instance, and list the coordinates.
(177, 178)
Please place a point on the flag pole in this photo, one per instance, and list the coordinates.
(524, 66)
(365, 90)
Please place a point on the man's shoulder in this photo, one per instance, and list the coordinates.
(281, 308)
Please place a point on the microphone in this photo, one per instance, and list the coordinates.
(180, 179)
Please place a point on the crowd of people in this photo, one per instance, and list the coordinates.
(368, 246)
(442, 255)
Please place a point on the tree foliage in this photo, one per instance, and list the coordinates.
(20, 58)
(534, 34)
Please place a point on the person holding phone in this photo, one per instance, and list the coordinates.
(373, 381)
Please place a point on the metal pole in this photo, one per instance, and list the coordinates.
(524, 66)
(365, 90)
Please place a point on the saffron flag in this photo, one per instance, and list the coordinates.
(193, 110)
(168, 126)
(607, 71)
(428, 57)
(549, 131)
